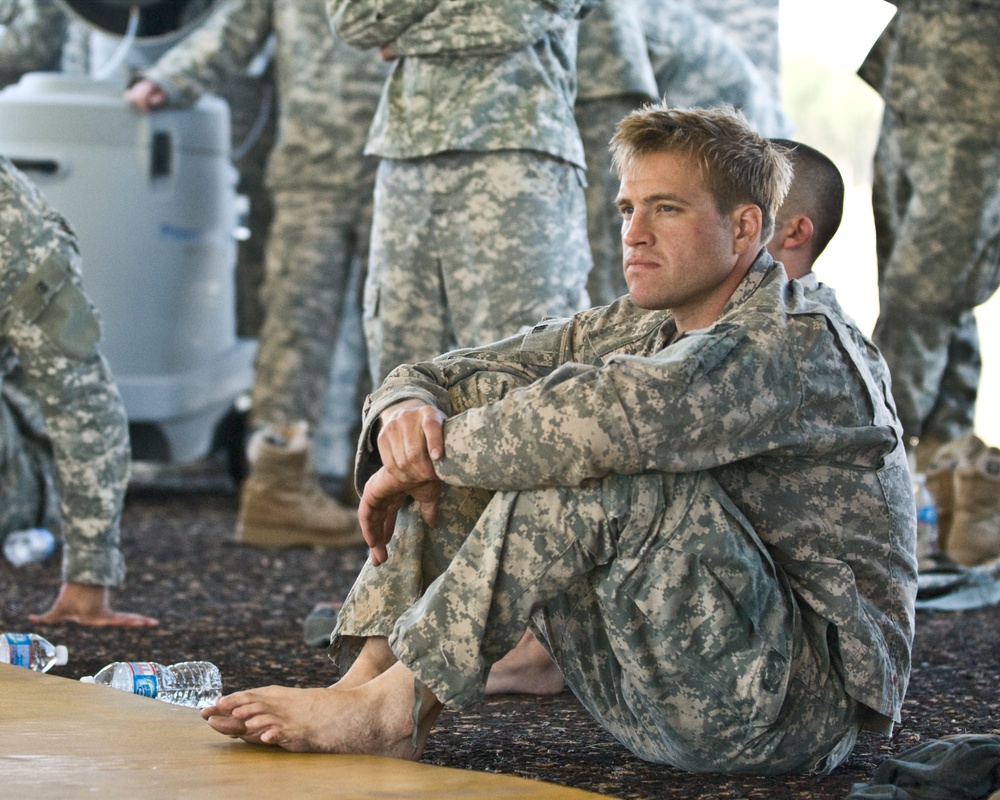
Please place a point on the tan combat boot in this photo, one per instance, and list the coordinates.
(281, 502)
(940, 477)
(975, 528)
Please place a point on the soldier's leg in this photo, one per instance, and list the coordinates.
(516, 224)
(597, 120)
(661, 607)
(308, 272)
(27, 498)
(953, 413)
(308, 263)
(405, 308)
(890, 189)
(945, 260)
(689, 647)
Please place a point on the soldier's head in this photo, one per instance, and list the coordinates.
(737, 165)
(811, 212)
(698, 193)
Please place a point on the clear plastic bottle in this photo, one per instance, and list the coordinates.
(31, 651)
(25, 547)
(196, 684)
(927, 520)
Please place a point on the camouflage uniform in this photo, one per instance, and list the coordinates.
(936, 197)
(31, 38)
(753, 27)
(480, 220)
(694, 64)
(62, 419)
(697, 65)
(614, 78)
(713, 536)
(320, 182)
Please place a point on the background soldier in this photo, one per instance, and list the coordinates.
(321, 188)
(64, 448)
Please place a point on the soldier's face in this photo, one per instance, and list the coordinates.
(678, 249)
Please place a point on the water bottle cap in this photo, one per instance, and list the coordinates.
(87, 679)
(62, 654)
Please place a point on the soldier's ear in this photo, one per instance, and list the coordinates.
(747, 223)
(797, 231)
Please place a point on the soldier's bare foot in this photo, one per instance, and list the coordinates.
(527, 669)
(374, 718)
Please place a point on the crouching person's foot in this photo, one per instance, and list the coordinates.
(373, 718)
(527, 669)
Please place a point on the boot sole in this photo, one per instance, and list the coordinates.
(268, 536)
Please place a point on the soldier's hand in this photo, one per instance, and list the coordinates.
(380, 503)
(410, 440)
(145, 95)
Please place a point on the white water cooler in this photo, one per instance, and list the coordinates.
(153, 201)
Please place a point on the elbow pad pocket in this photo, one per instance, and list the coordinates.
(51, 300)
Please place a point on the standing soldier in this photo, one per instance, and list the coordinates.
(753, 27)
(321, 186)
(936, 198)
(614, 77)
(479, 153)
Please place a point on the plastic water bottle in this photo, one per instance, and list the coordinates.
(31, 651)
(25, 547)
(196, 684)
(927, 520)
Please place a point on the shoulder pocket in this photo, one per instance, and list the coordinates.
(50, 299)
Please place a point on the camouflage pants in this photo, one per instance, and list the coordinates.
(596, 120)
(469, 248)
(310, 252)
(654, 596)
(936, 197)
(27, 490)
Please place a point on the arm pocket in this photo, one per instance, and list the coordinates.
(51, 300)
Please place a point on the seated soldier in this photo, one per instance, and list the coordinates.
(697, 497)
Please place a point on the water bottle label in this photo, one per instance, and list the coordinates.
(19, 645)
(143, 678)
(927, 515)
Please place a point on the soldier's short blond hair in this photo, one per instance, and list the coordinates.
(738, 165)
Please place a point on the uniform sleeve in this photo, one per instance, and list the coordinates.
(490, 376)
(371, 23)
(461, 380)
(698, 403)
(451, 27)
(54, 333)
(218, 50)
(470, 27)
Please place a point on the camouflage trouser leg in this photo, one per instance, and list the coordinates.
(27, 494)
(953, 413)
(656, 599)
(309, 256)
(469, 248)
(938, 228)
(597, 120)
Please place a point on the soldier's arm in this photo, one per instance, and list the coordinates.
(469, 27)
(219, 49)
